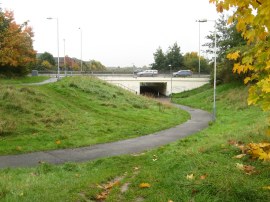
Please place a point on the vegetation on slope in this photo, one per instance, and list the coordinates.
(198, 168)
(75, 112)
(23, 80)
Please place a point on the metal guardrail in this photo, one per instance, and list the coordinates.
(111, 74)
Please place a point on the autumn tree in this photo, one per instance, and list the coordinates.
(94, 65)
(191, 61)
(4, 23)
(69, 62)
(252, 19)
(16, 53)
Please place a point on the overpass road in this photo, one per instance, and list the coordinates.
(161, 84)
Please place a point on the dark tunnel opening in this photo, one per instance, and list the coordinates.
(153, 89)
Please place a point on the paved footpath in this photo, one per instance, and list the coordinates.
(199, 120)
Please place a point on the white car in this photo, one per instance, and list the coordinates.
(148, 73)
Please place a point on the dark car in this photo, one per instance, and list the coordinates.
(183, 73)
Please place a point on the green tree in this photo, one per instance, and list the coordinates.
(160, 60)
(228, 38)
(174, 57)
(46, 57)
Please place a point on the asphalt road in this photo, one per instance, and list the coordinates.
(199, 120)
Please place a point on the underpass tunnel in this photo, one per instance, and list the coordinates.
(153, 89)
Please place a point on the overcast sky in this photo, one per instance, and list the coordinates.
(115, 32)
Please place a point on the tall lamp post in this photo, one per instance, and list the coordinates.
(65, 57)
(199, 21)
(81, 47)
(215, 63)
(171, 79)
(58, 62)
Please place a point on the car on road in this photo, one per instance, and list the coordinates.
(149, 72)
(182, 73)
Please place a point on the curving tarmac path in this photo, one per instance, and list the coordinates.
(199, 120)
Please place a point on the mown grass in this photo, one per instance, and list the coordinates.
(76, 112)
(207, 153)
(22, 80)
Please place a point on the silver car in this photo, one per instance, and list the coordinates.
(183, 73)
(148, 73)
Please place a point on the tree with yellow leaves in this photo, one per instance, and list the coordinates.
(253, 21)
(16, 45)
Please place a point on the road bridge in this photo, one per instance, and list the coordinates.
(155, 85)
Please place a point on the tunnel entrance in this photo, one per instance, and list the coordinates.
(153, 89)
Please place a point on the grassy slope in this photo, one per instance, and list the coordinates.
(32, 79)
(206, 153)
(75, 112)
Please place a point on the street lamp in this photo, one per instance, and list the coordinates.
(81, 47)
(215, 64)
(64, 40)
(171, 79)
(199, 21)
(58, 63)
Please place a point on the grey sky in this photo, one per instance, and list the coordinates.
(115, 32)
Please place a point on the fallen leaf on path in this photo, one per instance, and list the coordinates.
(102, 196)
(203, 177)
(111, 185)
(144, 185)
(58, 142)
(238, 144)
(246, 168)
(190, 177)
(240, 166)
(19, 148)
(249, 169)
(264, 144)
(239, 156)
(266, 187)
(106, 188)
(154, 157)
(138, 154)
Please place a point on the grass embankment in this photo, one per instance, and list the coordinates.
(196, 168)
(23, 80)
(76, 112)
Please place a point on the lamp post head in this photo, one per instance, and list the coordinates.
(201, 20)
(51, 18)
